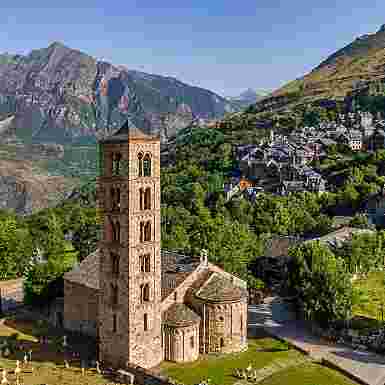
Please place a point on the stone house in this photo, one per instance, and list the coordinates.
(355, 140)
(144, 304)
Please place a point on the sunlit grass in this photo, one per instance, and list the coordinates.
(373, 296)
(47, 366)
(261, 352)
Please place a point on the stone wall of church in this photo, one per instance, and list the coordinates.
(223, 327)
(80, 308)
(181, 344)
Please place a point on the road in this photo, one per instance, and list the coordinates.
(278, 319)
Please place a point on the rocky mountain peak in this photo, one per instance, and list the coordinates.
(61, 93)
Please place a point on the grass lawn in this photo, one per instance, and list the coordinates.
(261, 352)
(50, 373)
(47, 360)
(308, 374)
(373, 291)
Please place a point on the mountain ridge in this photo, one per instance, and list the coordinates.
(359, 65)
(59, 93)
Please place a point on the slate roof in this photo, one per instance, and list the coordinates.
(87, 273)
(175, 269)
(220, 289)
(128, 130)
(179, 315)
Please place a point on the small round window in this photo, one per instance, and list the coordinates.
(221, 318)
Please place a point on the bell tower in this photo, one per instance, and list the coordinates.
(130, 266)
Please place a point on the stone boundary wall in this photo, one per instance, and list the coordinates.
(146, 377)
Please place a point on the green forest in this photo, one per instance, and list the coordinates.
(195, 216)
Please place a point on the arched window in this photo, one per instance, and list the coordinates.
(147, 259)
(114, 294)
(145, 292)
(241, 324)
(115, 264)
(147, 199)
(112, 193)
(222, 342)
(117, 198)
(145, 322)
(115, 231)
(140, 164)
(141, 199)
(114, 323)
(147, 165)
(141, 263)
(112, 225)
(147, 231)
(116, 163)
(141, 232)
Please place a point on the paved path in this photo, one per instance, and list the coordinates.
(278, 319)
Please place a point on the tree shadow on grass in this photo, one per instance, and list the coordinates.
(83, 346)
(257, 333)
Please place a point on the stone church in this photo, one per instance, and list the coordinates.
(145, 305)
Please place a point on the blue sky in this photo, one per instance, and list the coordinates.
(222, 45)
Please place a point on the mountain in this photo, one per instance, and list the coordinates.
(358, 66)
(25, 189)
(247, 97)
(58, 94)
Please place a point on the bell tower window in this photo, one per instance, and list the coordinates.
(147, 165)
(115, 198)
(140, 164)
(147, 259)
(115, 231)
(141, 199)
(145, 231)
(114, 294)
(147, 199)
(144, 262)
(145, 322)
(145, 292)
(115, 264)
(114, 323)
(116, 163)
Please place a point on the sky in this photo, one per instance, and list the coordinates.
(221, 45)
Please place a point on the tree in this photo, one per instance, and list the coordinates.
(15, 247)
(359, 221)
(321, 282)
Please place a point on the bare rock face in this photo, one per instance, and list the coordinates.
(61, 93)
(25, 190)
(13, 195)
